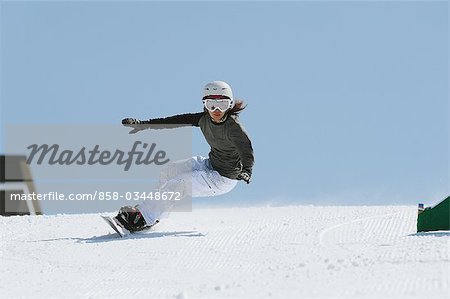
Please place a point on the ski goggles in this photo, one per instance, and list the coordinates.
(213, 104)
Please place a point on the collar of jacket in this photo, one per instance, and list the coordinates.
(224, 118)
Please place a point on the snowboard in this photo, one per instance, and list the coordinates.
(113, 225)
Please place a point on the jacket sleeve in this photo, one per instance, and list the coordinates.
(243, 145)
(180, 120)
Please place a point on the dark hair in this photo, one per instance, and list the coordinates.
(238, 107)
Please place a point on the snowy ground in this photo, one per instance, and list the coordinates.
(273, 252)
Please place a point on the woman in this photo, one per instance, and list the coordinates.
(230, 159)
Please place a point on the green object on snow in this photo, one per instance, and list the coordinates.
(435, 218)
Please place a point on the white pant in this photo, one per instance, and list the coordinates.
(192, 177)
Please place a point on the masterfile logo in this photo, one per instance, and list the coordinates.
(91, 168)
(54, 155)
(88, 152)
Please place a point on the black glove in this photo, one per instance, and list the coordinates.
(130, 121)
(245, 176)
(136, 124)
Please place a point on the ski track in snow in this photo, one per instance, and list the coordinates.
(270, 252)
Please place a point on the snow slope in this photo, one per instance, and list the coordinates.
(271, 252)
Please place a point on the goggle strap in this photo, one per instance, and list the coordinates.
(216, 97)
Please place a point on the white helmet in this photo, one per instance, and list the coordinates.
(219, 88)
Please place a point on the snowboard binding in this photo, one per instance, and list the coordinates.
(131, 219)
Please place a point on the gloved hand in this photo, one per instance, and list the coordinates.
(245, 176)
(135, 124)
(130, 121)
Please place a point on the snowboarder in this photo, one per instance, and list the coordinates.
(230, 158)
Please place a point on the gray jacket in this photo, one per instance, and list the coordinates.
(231, 149)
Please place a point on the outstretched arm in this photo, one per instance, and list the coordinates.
(176, 121)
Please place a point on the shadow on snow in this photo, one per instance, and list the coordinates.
(431, 234)
(115, 237)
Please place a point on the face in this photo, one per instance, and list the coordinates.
(214, 105)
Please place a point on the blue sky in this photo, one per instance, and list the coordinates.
(347, 101)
